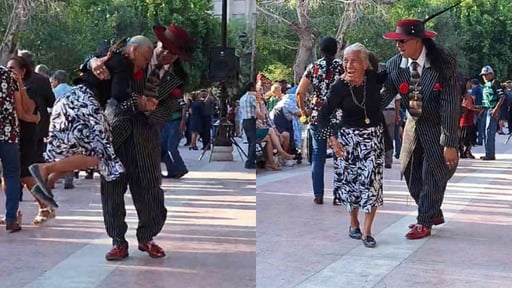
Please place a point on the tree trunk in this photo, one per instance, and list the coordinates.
(305, 31)
(8, 45)
(304, 55)
(18, 17)
(8, 48)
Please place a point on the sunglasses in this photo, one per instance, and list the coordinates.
(403, 41)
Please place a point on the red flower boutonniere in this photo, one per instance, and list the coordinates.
(437, 87)
(176, 93)
(404, 88)
(315, 70)
(138, 75)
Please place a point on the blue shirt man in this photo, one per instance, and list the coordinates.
(58, 81)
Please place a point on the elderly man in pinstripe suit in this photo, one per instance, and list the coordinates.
(136, 140)
(425, 77)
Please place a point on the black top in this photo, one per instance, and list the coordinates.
(339, 96)
(117, 87)
(29, 130)
(39, 89)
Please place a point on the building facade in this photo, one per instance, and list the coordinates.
(236, 9)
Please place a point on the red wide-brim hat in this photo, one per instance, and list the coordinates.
(176, 40)
(408, 29)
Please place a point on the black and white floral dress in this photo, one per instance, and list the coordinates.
(78, 126)
(358, 177)
(78, 123)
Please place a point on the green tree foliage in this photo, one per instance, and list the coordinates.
(478, 32)
(62, 34)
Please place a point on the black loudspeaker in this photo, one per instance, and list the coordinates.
(224, 65)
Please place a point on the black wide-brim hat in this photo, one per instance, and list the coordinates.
(176, 40)
(408, 29)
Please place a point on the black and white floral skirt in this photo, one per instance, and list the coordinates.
(78, 126)
(358, 176)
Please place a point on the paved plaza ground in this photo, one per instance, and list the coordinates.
(209, 236)
(300, 244)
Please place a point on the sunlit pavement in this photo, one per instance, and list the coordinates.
(209, 236)
(300, 244)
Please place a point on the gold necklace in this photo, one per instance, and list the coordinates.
(362, 105)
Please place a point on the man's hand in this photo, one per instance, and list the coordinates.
(146, 104)
(451, 157)
(98, 67)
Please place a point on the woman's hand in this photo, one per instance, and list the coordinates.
(337, 148)
(18, 78)
(36, 118)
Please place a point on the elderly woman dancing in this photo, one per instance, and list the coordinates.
(80, 135)
(359, 145)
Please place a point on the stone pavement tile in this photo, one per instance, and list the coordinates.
(305, 245)
(209, 236)
(428, 274)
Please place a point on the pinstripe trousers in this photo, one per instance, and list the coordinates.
(147, 195)
(425, 187)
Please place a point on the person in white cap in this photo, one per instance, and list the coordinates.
(493, 98)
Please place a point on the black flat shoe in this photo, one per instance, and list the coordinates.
(319, 200)
(179, 175)
(355, 233)
(336, 202)
(369, 242)
(39, 193)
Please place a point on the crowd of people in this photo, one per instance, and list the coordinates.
(123, 115)
(417, 107)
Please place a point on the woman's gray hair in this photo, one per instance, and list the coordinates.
(364, 52)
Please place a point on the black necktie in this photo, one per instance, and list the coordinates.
(415, 104)
(415, 74)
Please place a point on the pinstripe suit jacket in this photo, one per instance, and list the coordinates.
(145, 128)
(438, 125)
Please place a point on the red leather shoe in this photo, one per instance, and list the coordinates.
(436, 221)
(118, 252)
(418, 232)
(152, 248)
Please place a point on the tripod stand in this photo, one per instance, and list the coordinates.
(508, 138)
(224, 137)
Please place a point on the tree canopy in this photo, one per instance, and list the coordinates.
(478, 32)
(62, 34)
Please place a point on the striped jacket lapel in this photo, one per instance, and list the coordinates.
(427, 81)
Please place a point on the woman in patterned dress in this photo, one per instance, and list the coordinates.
(359, 145)
(28, 135)
(79, 132)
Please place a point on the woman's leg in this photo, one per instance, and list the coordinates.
(193, 141)
(277, 144)
(354, 221)
(44, 212)
(66, 165)
(285, 141)
(368, 222)
(269, 155)
(54, 177)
